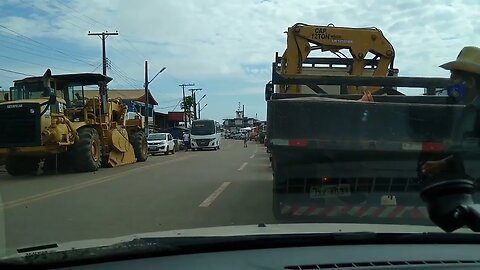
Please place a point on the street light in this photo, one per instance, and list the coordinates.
(199, 110)
(147, 82)
(198, 104)
(201, 99)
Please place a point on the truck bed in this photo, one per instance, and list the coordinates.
(394, 119)
(370, 149)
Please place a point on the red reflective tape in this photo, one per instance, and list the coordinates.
(416, 213)
(297, 142)
(345, 210)
(328, 210)
(361, 211)
(293, 209)
(309, 211)
(396, 212)
(285, 209)
(432, 147)
(377, 212)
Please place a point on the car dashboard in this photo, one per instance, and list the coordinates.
(397, 256)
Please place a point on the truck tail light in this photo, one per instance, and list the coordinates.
(432, 147)
(297, 142)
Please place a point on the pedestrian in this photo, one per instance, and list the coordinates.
(465, 89)
(186, 140)
(245, 140)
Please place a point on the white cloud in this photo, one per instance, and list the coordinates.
(237, 40)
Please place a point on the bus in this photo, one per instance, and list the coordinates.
(205, 134)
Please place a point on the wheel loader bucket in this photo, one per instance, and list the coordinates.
(121, 152)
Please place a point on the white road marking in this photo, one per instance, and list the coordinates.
(243, 166)
(252, 156)
(209, 200)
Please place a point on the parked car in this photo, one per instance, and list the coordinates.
(160, 143)
(238, 136)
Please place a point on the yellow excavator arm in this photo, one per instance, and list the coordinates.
(359, 41)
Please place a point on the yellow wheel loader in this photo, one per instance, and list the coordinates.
(49, 121)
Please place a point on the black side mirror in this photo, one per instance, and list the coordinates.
(268, 91)
(450, 205)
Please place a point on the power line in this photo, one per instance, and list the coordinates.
(2, 75)
(136, 49)
(45, 45)
(86, 16)
(177, 105)
(32, 63)
(133, 60)
(166, 107)
(2, 44)
(171, 100)
(103, 36)
(27, 44)
(125, 74)
(15, 72)
(82, 16)
(99, 65)
(125, 79)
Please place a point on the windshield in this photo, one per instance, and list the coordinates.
(29, 91)
(272, 112)
(203, 128)
(157, 136)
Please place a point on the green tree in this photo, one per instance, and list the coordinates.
(188, 106)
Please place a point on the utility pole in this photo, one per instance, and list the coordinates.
(147, 95)
(195, 102)
(199, 110)
(147, 107)
(184, 105)
(103, 36)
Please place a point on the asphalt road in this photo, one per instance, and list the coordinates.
(231, 186)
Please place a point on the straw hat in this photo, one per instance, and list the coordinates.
(467, 60)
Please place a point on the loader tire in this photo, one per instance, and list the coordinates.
(18, 166)
(140, 146)
(86, 153)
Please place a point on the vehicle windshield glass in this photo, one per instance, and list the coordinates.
(203, 128)
(75, 96)
(210, 116)
(159, 136)
(31, 90)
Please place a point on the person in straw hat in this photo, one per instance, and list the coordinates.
(465, 89)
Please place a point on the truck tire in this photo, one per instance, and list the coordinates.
(86, 153)
(18, 166)
(140, 146)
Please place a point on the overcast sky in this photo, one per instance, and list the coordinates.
(224, 47)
